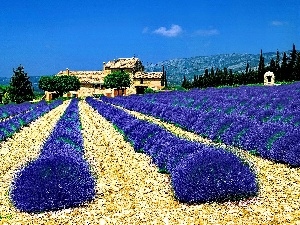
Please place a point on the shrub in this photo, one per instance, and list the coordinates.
(168, 158)
(287, 149)
(158, 142)
(212, 175)
(149, 90)
(141, 133)
(59, 177)
(98, 95)
(51, 183)
(199, 173)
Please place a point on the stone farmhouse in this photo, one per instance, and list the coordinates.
(91, 82)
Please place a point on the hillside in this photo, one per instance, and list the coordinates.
(34, 80)
(177, 68)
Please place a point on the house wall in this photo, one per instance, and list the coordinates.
(154, 83)
(88, 89)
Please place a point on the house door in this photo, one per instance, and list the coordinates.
(118, 92)
(140, 89)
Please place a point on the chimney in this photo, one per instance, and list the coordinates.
(68, 71)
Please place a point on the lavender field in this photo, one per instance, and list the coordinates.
(213, 156)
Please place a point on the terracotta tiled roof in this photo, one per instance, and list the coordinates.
(82, 73)
(90, 81)
(148, 75)
(86, 76)
(122, 63)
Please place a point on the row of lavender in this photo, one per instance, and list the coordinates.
(204, 99)
(23, 115)
(199, 173)
(279, 104)
(277, 141)
(10, 110)
(60, 177)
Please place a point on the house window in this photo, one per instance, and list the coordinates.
(97, 86)
(142, 81)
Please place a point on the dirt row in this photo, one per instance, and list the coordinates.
(131, 191)
(23, 147)
(279, 199)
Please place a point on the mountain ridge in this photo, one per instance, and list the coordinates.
(177, 68)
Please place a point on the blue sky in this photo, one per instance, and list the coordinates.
(49, 36)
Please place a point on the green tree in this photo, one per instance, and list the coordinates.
(247, 67)
(277, 68)
(284, 68)
(59, 84)
(297, 67)
(20, 89)
(230, 77)
(272, 66)
(46, 83)
(3, 91)
(186, 84)
(261, 67)
(164, 78)
(292, 64)
(64, 84)
(4, 88)
(118, 79)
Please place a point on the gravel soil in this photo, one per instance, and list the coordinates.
(23, 147)
(131, 191)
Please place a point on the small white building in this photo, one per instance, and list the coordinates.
(269, 78)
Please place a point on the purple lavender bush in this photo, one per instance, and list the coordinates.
(60, 177)
(252, 118)
(14, 109)
(199, 173)
(11, 125)
(52, 183)
(212, 175)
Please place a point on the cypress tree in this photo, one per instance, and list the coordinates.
(206, 72)
(277, 68)
(230, 79)
(284, 68)
(166, 81)
(205, 78)
(212, 72)
(185, 83)
(20, 89)
(261, 67)
(292, 63)
(297, 67)
(225, 77)
(247, 67)
(272, 66)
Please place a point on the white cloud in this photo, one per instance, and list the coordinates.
(278, 23)
(145, 30)
(174, 31)
(209, 32)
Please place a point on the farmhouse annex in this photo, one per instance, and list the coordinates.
(91, 82)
